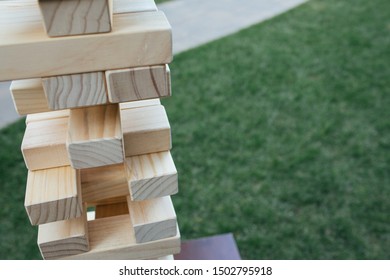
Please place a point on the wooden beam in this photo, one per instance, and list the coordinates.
(44, 144)
(64, 238)
(53, 195)
(28, 96)
(110, 210)
(94, 137)
(112, 238)
(145, 130)
(138, 83)
(151, 175)
(101, 184)
(137, 39)
(75, 17)
(152, 219)
(77, 90)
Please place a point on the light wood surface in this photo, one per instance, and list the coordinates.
(77, 90)
(113, 238)
(76, 17)
(44, 144)
(94, 137)
(137, 39)
(141, 103)
(152, 219)
(134, 6)
(28, 96)
(110, 210)
(151, 175)
(145, 130)
(47, 116)
(137, 83)
(103, 183)
(53, 195)
(64, 238)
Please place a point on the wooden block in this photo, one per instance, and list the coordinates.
(28, 96)
(53, 195)
(137, 104)
(75, 17)
(137, 83)
(102, 184)
(134, 6)
(44, 144)
(110, 210)
(137, 39)
(145, 130)
(95, 137)
(77, 90)
(64, 238)
(152, 219)
(47, 116)
(151, 175)
(112, 238)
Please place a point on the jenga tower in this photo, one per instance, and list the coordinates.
(89, 75)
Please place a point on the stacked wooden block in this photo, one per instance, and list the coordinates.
(89, 75)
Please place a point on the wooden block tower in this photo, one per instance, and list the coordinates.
(89, 75)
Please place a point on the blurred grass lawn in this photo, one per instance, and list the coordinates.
(281, 135)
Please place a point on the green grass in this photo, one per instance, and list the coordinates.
(281, 135)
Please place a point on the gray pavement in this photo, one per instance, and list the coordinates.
(194, 22)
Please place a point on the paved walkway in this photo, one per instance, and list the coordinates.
(194, 22)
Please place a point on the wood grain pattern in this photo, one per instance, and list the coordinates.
(94, 137)
(152, 219)
(77, 90)
(137, 39)
(64, 238)
(44, 144)
(53, 195)
(145, 130)
(112, 238)
(28, 96)
(100, 184)
(151, 175)
(76, 17)
(137, 83)
(110, 210)
(141, 103)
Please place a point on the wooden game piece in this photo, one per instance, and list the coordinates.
(112, 238)
(102, 184)
(138, 83)
(138, 104)
(137, 39)
(110, 210)
(64, 238)
(52, 115)
(152, 219)
(134, 6)
(75, 17)
(77, 90)
(145, 130)
(28, 96)
(94, 137)
(151, 175)
(44, 144)
(53, 195)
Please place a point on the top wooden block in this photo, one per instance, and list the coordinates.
(137, 39)
(75, 17)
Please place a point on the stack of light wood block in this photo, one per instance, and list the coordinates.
(89, 75)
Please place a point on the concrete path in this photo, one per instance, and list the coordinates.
(194, 22)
